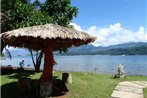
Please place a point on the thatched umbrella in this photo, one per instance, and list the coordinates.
(49, 37)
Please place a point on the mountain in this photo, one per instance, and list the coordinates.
(127, 45)
(132, 48)
(17, 52)
(83, 47)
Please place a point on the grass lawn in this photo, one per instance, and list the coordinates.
(85, 85)
(145, 93)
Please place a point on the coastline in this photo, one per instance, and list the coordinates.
(13, 69)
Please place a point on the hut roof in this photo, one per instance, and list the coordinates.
(37, 37)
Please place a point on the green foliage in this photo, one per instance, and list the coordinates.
(35, 18)
(61, 11)
(15, 12)
(19, 13)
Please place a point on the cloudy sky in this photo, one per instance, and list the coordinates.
(112, 21)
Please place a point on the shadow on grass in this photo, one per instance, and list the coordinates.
(10, 90)
(21, 75)
(59, 88)
(8, 70)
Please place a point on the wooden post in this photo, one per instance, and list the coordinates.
(46, 77)
(48, 64)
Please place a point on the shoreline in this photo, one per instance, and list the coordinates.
(13, 69)
(96, 64)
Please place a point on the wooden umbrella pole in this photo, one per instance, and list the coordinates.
(48, 64)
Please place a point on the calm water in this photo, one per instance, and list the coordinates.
(133, 65)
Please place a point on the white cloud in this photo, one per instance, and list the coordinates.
(115, 34)
(77, 27)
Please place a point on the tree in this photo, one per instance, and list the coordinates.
(11, 14)
(60, 10)
(61, 13)
(20, 13)
(37, 61)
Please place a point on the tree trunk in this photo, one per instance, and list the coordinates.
(37, 68)
(37, 61)
(2, 46)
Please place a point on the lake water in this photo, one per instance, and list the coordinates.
(133, 65)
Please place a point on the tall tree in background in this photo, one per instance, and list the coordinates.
(12, 13)
(60, 10)
(21, 13)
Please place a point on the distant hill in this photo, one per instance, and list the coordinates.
(17, 52)
(132, 48)
(127, 45)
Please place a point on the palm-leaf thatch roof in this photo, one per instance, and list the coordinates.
(37, 37)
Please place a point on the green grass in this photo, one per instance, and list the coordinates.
(85, 85)
(145, 93)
